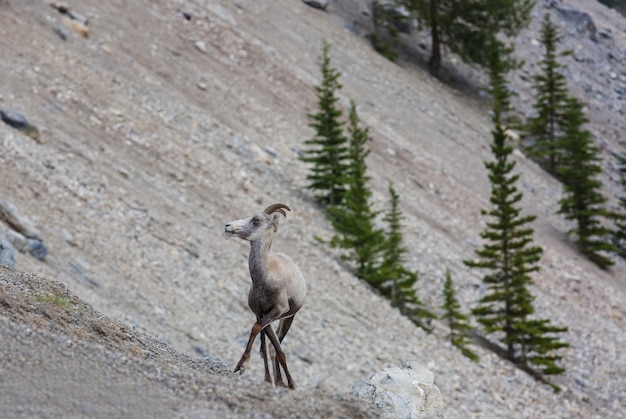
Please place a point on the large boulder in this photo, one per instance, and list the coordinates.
(407, 392)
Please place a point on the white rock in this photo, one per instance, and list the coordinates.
(402, 392)
(200, 45)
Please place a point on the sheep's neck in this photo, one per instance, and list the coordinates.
(259, 253)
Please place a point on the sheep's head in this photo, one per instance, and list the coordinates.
(259, 225)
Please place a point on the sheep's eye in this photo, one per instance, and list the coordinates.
(255, 221)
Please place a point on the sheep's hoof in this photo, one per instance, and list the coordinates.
(241, 365)
(240, 368)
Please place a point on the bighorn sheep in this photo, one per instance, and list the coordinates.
(277, 292)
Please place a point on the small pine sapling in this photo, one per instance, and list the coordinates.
(456, 321)
(393, 279)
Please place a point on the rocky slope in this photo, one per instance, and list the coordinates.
(61, 358)
(156, 130)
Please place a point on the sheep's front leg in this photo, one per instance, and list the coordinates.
(241, 365)
(268, 318)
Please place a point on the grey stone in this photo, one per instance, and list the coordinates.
(18, 241)
(316, 4)
(82, 275)
(239, 144)
(77, 17)
(7, 252)
(19, 122)
(61, 32)
(184, 14)
(37, 249)
(10, 215)
(67, 236)
(582, 21)
(271, 151)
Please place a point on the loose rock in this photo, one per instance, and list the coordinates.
(77, 27)
(10, 215)
(581, 21)
(7, 252)
(17, 240)
(200, 45)
(19, 122)
(37, 249)
(317, 4)
(61, 32)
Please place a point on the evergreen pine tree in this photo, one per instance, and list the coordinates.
(466, 26)
(354, 219)
(546, 127)
(583, 201)
(393, 279)
(456, 321)
(509, 255)
(328, 150)
(508, 239)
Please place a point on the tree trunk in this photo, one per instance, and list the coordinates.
(435, 55)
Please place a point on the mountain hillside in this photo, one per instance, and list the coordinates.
(159, 121)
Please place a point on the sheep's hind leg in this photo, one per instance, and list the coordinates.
(268, 377)
(282, 360)
(283, 328)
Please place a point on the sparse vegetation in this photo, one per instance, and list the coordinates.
(60, 301)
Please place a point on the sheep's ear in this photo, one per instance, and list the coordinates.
(275, 218)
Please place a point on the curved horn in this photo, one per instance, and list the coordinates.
(277, 208)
